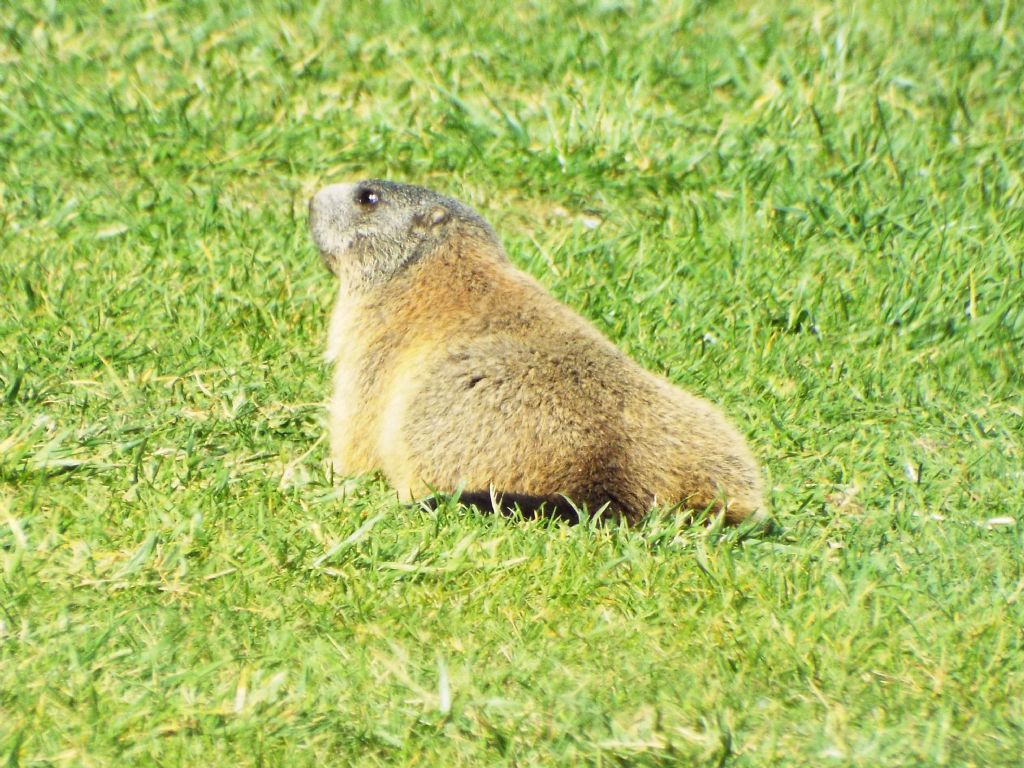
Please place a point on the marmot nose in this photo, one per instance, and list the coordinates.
(332, 197)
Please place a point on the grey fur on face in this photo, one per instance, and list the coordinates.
(369, 231)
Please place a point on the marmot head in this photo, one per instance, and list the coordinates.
(370, 231)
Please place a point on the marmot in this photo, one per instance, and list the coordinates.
(457, 371)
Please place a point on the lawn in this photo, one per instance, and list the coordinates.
(811, 213)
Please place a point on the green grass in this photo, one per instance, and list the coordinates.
(812, 213)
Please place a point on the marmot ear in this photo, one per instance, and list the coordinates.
(432, 218)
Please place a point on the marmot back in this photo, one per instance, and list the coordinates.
(454, 370)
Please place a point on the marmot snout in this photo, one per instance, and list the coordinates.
(454, 370)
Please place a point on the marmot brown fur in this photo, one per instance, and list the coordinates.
(455, 370)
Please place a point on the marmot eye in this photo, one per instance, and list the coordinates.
(367, 197)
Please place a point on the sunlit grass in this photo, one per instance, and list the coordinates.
(810, 214)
